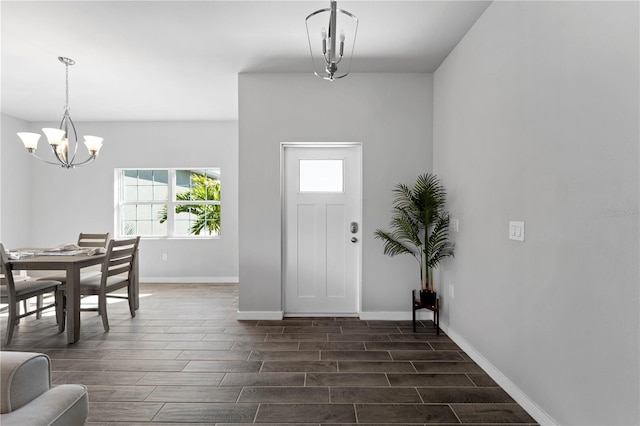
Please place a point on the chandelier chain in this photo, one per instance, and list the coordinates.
(66, 99)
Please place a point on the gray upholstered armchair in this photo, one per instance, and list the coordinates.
(27, 397)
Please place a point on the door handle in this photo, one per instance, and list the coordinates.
(354, 240)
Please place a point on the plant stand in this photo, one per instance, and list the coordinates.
(417, 304)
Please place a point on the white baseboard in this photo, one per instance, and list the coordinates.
(371, 316)
(514, 391)
(195, 280)
(319, 314)
(260, 315)
(395, 315)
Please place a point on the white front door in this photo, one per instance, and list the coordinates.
(321, 229)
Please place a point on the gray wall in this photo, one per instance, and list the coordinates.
(66, 202)
(389, 113)
(536, 119)
(15, 178)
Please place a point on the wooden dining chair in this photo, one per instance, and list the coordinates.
(117, 273)
(85, 241)
(12, 293)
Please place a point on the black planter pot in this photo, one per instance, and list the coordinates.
(428, 298)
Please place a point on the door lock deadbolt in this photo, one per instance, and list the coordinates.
(353, 227)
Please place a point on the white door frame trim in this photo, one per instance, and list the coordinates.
(283, 146)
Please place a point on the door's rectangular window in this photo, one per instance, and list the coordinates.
(321, 176)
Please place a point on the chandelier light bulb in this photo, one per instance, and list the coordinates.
(63, 149)
(342, 37)
(54, 136)
(323, 34)
(93, 143)
(64, 145)
(30, 140)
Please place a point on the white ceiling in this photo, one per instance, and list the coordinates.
(179, 60)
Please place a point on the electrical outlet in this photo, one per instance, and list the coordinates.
(164, 257)
(455, 225)
(516, 231)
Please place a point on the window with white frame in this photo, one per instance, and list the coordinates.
(168, 202)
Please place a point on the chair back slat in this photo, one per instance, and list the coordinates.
(118, 271)
(119, 258)
(122, 250)
(120, 261)
(93, 240)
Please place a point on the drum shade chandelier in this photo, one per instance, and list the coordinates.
(64, 150)
(331, 33)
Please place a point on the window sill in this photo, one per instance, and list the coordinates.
(207, 238)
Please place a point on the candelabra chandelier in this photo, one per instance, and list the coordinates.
(59, 138)
(335, 27)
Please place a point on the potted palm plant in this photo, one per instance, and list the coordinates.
(420, 228)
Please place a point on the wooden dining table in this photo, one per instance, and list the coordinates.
(72, 264)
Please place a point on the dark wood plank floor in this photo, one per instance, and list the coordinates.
(185, 359)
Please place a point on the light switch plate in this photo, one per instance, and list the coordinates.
(455, 225)
(516, 231)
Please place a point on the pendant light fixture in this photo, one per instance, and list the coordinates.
(332, 36)
(64, 149)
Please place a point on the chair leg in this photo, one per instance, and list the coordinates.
(11, 322)
(102, 307)
(39, 306)
(60, 310)
(131, 300)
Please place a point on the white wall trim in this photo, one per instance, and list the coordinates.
(371, 316)
(514, 391)
(195, 280)
(260, 315)
(395, 315)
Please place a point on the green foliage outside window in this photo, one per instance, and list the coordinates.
(205, 217)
